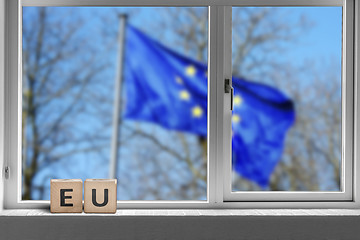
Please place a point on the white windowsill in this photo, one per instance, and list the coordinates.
(192, 212)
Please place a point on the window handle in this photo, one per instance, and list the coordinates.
(229, 89)
(7, 172)
(232, 99)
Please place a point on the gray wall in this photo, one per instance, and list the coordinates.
(169, 227)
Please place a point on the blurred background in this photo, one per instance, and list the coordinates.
(70, 59)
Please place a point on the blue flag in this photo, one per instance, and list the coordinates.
(166, 88)
(260, 120)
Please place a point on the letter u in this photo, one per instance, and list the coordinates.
(106, 198)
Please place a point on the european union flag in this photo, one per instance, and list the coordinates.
(260, 119)
(164, 87)
(169, 89)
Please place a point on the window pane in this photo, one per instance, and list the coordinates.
(287, 105)
(71, 56)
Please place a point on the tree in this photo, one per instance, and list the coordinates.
(58, 77)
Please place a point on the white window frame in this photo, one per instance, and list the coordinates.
(347, 130)
(219, 115)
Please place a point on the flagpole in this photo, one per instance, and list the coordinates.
(115, 146)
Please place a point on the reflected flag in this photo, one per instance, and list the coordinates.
(169, 89)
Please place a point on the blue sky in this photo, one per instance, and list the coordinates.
(323, 39)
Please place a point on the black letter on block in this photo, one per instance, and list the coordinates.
(106, 198)
(63, 197)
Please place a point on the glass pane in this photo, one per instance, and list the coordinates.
(287, 105)
(71, 57)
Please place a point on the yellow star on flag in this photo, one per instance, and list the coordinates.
(237, 100)
(197, 111)
(179, 80)
(235, 118)
(190, 70)
(184, 95)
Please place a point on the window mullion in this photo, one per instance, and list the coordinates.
(227, 111)
(212, 120)
(220, 68)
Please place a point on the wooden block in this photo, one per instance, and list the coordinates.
(66, 195)
(100, 195)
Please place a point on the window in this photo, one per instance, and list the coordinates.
(70, 113)
(312, 161)
(216, 184)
